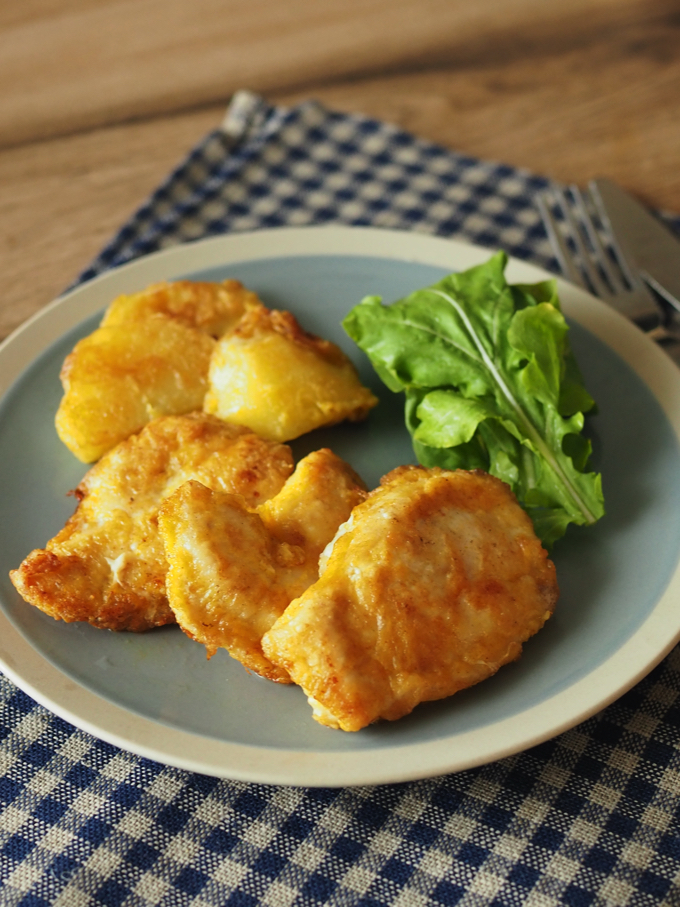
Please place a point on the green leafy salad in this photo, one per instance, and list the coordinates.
(490, 383)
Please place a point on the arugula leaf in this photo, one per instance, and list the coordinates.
(490, 383)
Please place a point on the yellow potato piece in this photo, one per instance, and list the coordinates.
(280, 381)
(212, 308)
(107, 565)
(434, 582)
(233, 571)
(121, 377)
(150, 357)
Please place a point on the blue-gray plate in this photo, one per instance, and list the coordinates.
(156, 693)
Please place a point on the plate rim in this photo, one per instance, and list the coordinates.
(105, 720)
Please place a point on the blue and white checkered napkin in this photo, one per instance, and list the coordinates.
(590, 818)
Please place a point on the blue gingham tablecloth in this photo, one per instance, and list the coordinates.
(589, 818)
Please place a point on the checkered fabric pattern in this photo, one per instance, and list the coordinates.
(272, 167)
(589, 818)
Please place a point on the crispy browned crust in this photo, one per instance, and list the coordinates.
(107, 565)
(59, 585)
(149, 357)
(233, 571)
(211, 308)
(437, 582)
(260, 320)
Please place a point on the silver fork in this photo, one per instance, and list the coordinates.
(592, 258)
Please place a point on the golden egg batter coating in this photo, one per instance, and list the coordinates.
(232, 571)
(107, 565)
(280, 381)
(212, 308)
(149, 357)
(432, 585)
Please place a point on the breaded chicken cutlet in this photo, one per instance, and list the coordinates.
(107, 565)
(149, 357)
(435, 582)
(233, 571)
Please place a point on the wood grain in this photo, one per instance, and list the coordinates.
(571, 90)
(93, 64)
(63, 200)
(609, 105)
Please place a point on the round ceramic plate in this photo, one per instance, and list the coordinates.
(157, 695)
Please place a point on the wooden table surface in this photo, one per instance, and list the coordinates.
(100, 98)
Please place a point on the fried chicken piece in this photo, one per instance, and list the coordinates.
(280, 381)
(432, 585)
(149, 357)
(107, 565)
(233, 571)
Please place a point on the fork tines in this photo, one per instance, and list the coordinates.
(590, 256)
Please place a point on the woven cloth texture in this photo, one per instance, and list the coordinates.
(589, 818)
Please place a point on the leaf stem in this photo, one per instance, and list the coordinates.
(529, 427)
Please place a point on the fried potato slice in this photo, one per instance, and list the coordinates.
(212, 308)
(150, 357)
(107, 565)
(280, 381)
(433, 584)
(120, 377)
(232, 571)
